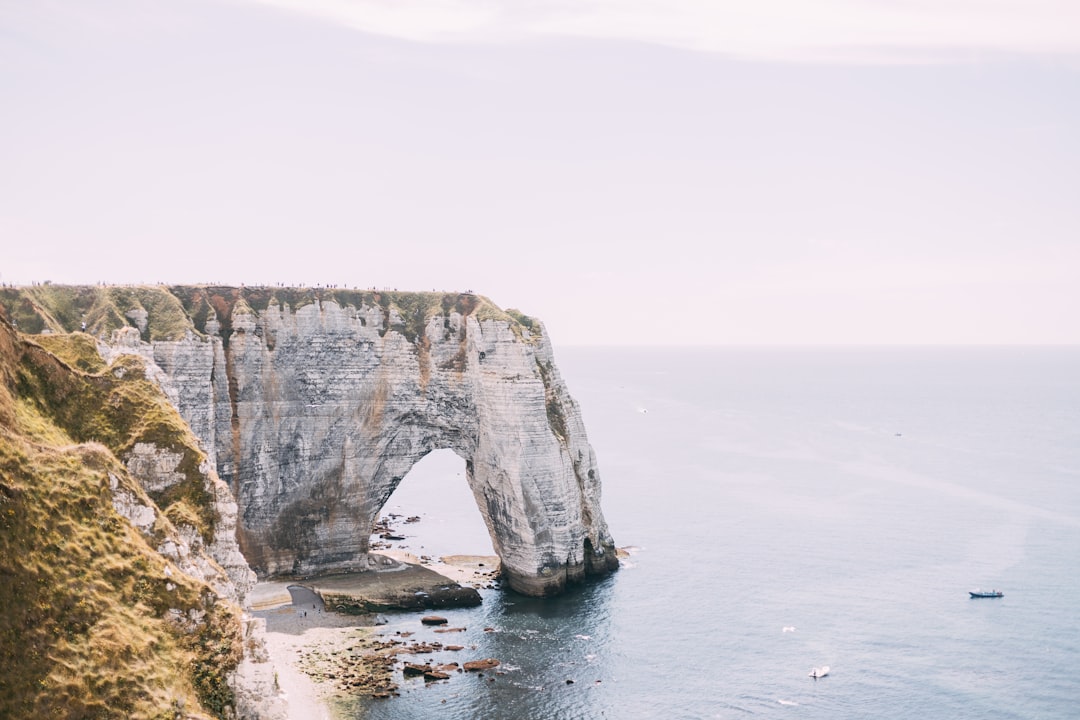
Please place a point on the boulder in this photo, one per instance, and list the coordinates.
(479, 665)
(435, 675)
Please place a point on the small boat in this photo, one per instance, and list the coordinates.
(985, 593)
(819, 672)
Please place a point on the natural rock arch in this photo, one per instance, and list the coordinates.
(320, 454)
(314, 404)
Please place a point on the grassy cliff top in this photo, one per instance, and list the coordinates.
(87, 625)
(162, 312)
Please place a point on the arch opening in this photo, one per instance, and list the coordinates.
(432, 513)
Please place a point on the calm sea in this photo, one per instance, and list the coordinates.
(793, 508)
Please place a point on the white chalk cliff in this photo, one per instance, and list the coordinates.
(315, 404)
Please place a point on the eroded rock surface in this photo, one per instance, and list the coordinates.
(315, 404)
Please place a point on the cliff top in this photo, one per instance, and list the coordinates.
(168, 312)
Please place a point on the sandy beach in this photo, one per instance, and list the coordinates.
(319, 655)
(290, 637)
(478, 571)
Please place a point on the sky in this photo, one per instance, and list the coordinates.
(640, 172)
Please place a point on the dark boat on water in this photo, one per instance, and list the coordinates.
(985, 593)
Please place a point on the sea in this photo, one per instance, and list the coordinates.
(787, 509)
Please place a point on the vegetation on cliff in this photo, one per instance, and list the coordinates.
(168, 313)
(553, 403)
(66, 308)
(116, 406)
(95, 622)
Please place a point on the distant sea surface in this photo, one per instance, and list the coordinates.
(791, 508)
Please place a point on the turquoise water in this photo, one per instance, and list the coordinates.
(854, 495)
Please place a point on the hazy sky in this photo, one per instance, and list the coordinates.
(632, 172)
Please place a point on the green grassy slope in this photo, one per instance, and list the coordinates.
(88, 610)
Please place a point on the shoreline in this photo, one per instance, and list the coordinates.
(321, 656)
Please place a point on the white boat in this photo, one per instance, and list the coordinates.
(986, 593)
(819, 672)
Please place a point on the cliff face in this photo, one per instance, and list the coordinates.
(315, 404)
(121, 576)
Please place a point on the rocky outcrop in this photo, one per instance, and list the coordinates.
(315, 404)
(389, 585)
(480, 665)
(218, 562)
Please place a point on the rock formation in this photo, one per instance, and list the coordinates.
(314, 404)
